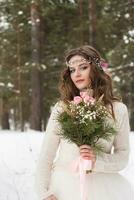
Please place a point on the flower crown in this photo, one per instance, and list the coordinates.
(101, 64)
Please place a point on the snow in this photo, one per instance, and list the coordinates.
(3, 22)
(127, 15)
(18, 158)
(131, 33)
(116, 78)
(20, 12)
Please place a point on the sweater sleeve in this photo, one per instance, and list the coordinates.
(110, 163)
(48, 152)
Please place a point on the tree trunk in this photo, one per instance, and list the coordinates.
(4, 104)
(35, 119)
(21, 120)
(80, 3)
(92, 22)
(5, 114)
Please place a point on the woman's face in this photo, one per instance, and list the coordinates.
(79, 71)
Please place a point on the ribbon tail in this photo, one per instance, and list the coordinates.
(81, 165)
(82, 183)
(84, 165)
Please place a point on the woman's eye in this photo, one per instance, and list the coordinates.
(83, 67)
(72, 71)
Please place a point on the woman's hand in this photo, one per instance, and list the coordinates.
(52, 197)
(87, 153)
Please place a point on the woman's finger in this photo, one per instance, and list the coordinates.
(52, 197)
(88, 154)
(85, 154)
(87, 150)
(86, 158)
(85, 146)
(84, 150)
(91, 157)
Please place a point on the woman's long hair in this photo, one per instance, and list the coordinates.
(101, 82)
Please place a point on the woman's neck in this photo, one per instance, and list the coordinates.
(88, 90)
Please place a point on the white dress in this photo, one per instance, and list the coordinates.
(104, 183)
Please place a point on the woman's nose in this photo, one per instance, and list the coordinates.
(77, 73)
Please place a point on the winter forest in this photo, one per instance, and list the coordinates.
(34, 35)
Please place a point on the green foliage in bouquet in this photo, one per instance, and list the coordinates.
(85, 122)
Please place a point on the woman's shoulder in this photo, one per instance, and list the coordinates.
(119, 107)
(59, 106)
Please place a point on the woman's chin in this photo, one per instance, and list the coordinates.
(81, 87)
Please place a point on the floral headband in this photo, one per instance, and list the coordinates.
(101, 64)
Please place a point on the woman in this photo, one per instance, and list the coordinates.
(55, 180)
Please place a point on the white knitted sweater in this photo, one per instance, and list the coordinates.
(108, 163)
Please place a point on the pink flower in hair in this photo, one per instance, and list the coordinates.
(104, 64)
(77, 100)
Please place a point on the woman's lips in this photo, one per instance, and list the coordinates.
(80, 81)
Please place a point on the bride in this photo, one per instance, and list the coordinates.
(54, 179)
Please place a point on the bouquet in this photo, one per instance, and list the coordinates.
(85, 121)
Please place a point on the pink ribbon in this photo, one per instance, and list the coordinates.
(81, 165)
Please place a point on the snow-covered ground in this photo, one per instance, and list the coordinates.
(18, 157)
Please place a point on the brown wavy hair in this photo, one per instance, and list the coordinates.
(101, 82)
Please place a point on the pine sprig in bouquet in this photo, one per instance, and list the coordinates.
(85, 121)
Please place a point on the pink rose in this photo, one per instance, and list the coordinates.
(92, 100)
(77, 100)
(89, 99)
(83, 94)
(86, 99)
